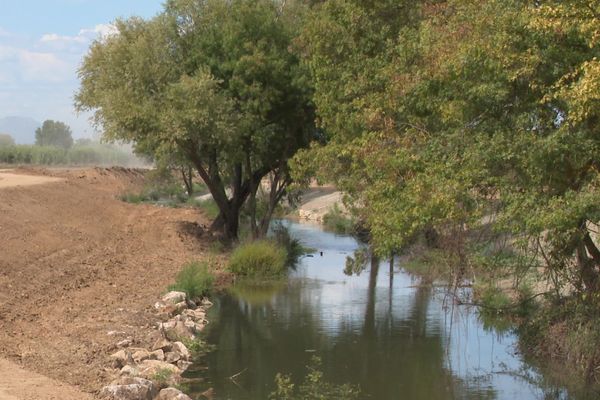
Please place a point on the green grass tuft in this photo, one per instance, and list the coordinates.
(194, 279)
(259, 258)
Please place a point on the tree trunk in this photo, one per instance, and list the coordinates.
(587, 269)
(229, 209)
(187, 180)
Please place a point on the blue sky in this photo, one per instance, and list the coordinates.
(42, 43)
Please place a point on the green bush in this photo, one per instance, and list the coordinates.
(259, 258)
(292, 246)
(494, 300)
(194, 279)
(337, 222)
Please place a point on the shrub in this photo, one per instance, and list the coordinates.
(259, 258)
(292, 246)
(194, 279)
(337, 222)
(493, 300)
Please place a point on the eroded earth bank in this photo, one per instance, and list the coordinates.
(76, 264)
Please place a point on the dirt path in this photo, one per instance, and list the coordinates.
(8, 179)
(77, 263)
(18, 384)
(317, 201)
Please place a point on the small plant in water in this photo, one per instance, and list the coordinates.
(162, 377)
(197, 346)
(357, 263)
(313, 386)
(293, 246)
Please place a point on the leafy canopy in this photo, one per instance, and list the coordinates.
(211, 83)
(442, 114)
(54, 133)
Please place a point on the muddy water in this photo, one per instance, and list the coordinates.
(386, 333)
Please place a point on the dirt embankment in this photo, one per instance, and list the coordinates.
(77, 263)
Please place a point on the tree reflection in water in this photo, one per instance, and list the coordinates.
(378, 331)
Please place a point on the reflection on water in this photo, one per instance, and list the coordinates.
(394, 338)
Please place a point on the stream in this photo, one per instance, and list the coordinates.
(394, 338)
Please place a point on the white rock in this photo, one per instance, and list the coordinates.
(158, 355)
(197, 315)
(172, 357)
(128, 370)
(206, 303)
(183, 365)
(174, 298)
(172, 394)
(125, 343)
(129, 388)
(149, 368)
(141, 355)
(182, 350)
(121, 358)
(177, 330)
(180, 307)
(162, 344)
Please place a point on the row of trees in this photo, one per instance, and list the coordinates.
(431, 115)
(51, 133)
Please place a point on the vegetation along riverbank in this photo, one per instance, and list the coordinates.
(470, 123)
(462, 137)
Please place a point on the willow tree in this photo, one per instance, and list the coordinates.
(211, 82)
(440, 113)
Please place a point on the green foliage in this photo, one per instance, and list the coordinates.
(313, 387)
(494, 300)
(96, 154)
(259, 258)
(567, 333)
(194, 279)
(293, 247)
(336, 221)
(163, 188)
(162, 377)
(358, 262)
(197, 347)
(431, 265)
(209, 207)
(452, 115)
(209, 84)
(6, 140)
(54, 133)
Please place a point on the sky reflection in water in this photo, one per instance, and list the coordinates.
(397, 340)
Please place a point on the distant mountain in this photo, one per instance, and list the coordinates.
(22, 129)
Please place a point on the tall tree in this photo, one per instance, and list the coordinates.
(54, 133)
(462, 109)
(6, 140)
(211, 82)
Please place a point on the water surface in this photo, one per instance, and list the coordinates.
(388, 334)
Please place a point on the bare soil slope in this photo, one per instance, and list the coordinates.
(77, 263)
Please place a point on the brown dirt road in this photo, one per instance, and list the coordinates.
(8, 179)
(75, 264)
